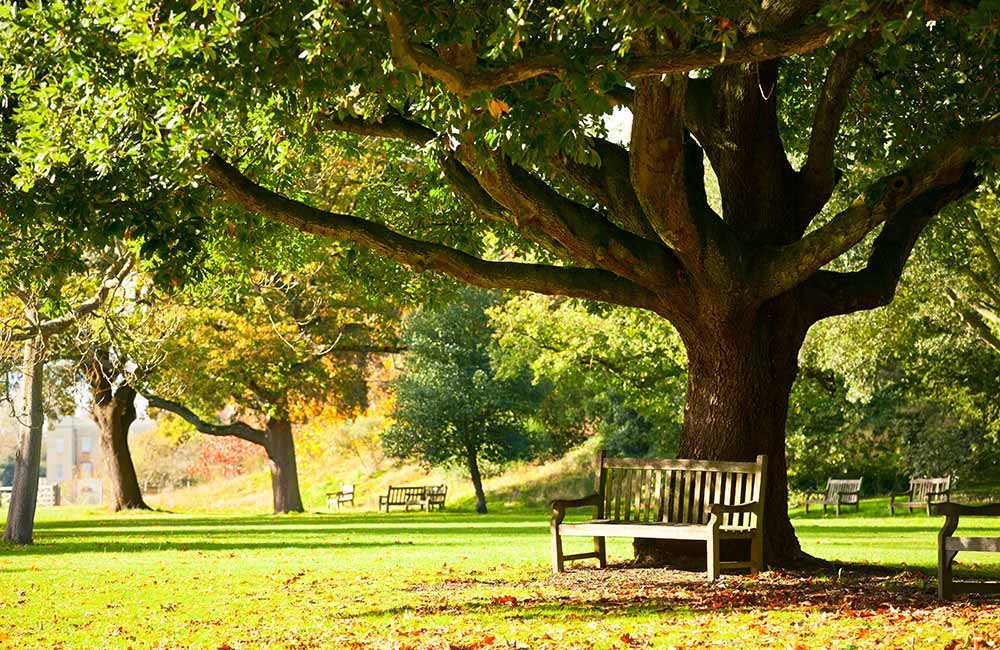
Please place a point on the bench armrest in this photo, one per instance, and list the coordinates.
(718, 509)
(559, 506)
(956, 509)
(815, 493)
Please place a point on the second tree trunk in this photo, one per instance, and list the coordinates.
(284, 472)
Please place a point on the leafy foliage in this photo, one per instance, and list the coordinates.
(451, 406)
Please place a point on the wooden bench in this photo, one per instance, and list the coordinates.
(949, 546)
(669, 499)
(923, 493)
(419, 496)
(435, 495)
(48, 495)
(839, 491)
(344, 495)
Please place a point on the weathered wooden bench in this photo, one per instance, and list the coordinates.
(669, 499)
(417, 496)
(923, 493)
(838, 492)
(48, 494)
(344, 495)
(435, 495)
(949, 546)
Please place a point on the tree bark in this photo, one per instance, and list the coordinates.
(114, 413)
(24, 495)
(739, 380)
(472, 461)
(284, 472)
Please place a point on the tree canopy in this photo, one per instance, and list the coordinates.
(834, 130)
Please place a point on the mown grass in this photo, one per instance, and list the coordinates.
(456, 580)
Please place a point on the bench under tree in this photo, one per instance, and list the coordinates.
(839, 492)
(415, 496)
(672, 499)
(923, 493)
(949, 546)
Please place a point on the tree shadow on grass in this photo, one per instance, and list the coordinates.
(43, 548)
(310, 520)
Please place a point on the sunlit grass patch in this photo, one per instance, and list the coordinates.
(454, 580)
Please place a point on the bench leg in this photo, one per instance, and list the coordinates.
(838, 509)
(713, 558)
(757, 554)
(944, 572)
(601, 550)
(557, 552)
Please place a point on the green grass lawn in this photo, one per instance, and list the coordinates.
(455, 580)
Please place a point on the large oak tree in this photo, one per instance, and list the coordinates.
(501, 104)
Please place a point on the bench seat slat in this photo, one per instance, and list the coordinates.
(609, 528)
(983, 544)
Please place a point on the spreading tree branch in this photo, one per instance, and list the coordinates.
(779, 269)
(758, 47)
(818, 175)
(239, 430)
(586, 234)
(112, 278)
(657, 160)
(462, 83)
(610, 184)
(391, 125)
(595, 284)
(830, 293)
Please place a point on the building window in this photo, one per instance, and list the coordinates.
(86, 470)
(59, 445)
(59, 472)
(86, 444)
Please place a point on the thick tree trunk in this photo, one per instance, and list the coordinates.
(472, 461)
(284, 473)
(24, 495)
(739, 381)
(113, 416)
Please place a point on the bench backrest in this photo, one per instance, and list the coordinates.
(404, 495)
(677, 491)
(436, 493)
(849, 489)
(921, 487)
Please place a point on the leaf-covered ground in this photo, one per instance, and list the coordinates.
(459, 581)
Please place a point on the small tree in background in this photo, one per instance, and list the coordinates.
(451, 407)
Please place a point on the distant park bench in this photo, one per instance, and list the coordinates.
(923, 493)
(420, 497)
(344, 495)
(838, 492)
(670, 499)
(48, 495)
(949, 546)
